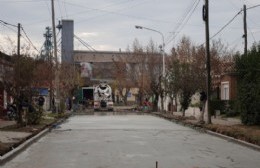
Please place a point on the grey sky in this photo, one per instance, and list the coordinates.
(109, 24)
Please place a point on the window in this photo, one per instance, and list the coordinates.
(224, 90)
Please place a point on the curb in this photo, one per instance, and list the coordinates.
(231, 139)
(228, 138)
(11, 154)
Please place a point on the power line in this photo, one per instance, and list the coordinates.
(226, 25)
(48, 7)
(29, 40)
(65, 9)
(8, 23)
(26, 36)
(187, 18)
(182, 19)
(231, 21)
(7, 26)
(60, 9)
(114, 13)
(16, 1)
(251, 33)
(252, 7)
(84, 43)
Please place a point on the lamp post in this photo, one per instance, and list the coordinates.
(162, 48)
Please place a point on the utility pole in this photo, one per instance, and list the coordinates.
(57, 102)
(206, 19)
(18, 60)
(245, 31)
(18, 39)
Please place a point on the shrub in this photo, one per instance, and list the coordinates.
(226, 107)
(34, 115)
(248, 70)
(230, 109)
(217, 105)
(62, 107)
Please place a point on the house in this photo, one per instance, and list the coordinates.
(228, 86)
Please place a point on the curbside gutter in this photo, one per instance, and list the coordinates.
(201, 129)
(231, 139)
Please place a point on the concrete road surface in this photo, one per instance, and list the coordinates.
(132, 141)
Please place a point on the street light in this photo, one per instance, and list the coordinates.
(163, 44)
(162, 47)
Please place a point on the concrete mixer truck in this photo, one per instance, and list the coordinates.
(103, 97)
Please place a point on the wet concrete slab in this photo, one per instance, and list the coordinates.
(132, 141)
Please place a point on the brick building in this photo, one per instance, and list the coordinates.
(228, 86)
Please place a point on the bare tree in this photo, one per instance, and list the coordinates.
(184, 72)
(18, 81)
(154, 72)
(69, 79)
(172, 75)
(122, 83)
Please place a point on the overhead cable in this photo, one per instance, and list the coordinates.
(222, 28)
(226, 24)
(29, 40)
(8, 23)
(253, 7)
(84, 43)
(185, 20)
(231, 21)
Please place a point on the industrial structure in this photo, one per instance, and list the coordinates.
(46, 51)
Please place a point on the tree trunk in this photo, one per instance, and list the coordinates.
(162, 106)
(155, 103)
(125, 100)
(202, 112)
(125, 96)
(172, 104)
(176, 103)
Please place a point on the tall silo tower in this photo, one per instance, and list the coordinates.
(67, 42)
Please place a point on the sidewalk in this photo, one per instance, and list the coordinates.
(14, 139)
(195, 112)
(11, 137)
(5, 123)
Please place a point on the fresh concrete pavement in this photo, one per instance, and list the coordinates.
(129, 141)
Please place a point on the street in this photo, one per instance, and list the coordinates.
(131, 141)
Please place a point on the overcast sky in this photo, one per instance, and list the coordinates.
(110, 24)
